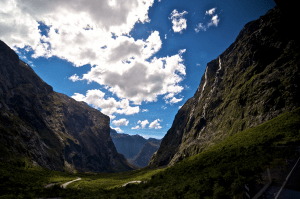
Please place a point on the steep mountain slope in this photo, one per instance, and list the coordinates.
(129, 145)
(143, 157)
(251, 82)
(50, 129)
(135, 148)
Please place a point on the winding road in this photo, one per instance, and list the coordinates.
(64, 186)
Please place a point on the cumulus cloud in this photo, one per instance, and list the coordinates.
(170, 99)
(118, 129)
(97, 33)
(136, 127)
(142, 80)
(174, 100)
(108, 106)
(178, 21)
(143, 123)
(214, 21)
(120, 122)
(155, 124)
(74, 78)
(211, 11)
(75, 29)
(145, 110)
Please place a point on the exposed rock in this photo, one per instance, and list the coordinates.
(50, 128)
(143, 157)
(135, 148)
(251, 82)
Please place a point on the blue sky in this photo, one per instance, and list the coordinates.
(135, 61)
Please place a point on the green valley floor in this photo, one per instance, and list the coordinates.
(218, 172)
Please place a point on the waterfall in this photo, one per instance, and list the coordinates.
(213, 87)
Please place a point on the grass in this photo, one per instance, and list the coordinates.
(218, 172)
(113, 180)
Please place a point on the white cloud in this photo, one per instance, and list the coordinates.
(120, 122)
(164, 107)
(174, 100)
(108, 106)
(145, 110)
(199, 27)
(143, 123)
(213, 22)
(74, 78)
(179, 23)
(146, 136)
(118, 129)
(155, 124)
(211, 11)
(76, 29)
(165, 36)
(81, 33)
(141, 80)
(179, 107)
(170, 99)
(136, 127)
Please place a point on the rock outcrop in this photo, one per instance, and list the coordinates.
(251, 82)
(50, 129)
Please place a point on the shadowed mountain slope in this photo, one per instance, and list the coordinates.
(135, 148)
(48, 128)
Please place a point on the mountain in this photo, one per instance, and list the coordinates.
(48, 128)
(135, 148)
(128, 145)
(251, 82)
(143, 157)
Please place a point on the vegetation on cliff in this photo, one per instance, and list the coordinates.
(251, 82)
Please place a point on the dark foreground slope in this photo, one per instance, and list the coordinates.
(251, 82)
(48, 128)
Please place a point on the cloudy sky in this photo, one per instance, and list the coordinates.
(137, 61)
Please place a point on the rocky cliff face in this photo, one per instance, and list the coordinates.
(143, 157)
(251, 82)
(49, 128)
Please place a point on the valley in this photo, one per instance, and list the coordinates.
(221, 170)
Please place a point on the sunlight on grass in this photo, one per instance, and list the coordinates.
(110, 181)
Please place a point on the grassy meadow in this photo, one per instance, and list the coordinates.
(218, 172)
